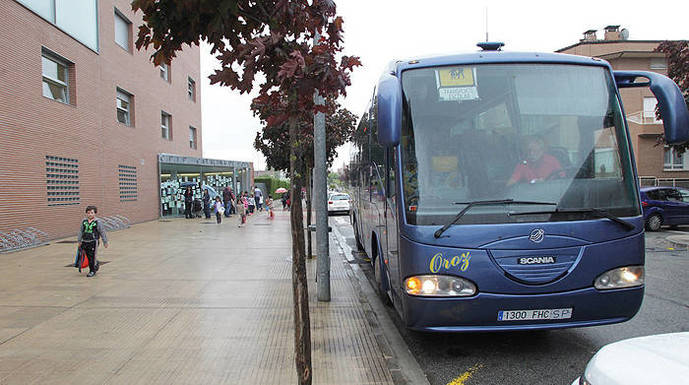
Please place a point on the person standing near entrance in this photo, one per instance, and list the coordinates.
(241, 209)
(258, 198)
(206, 204)
(227, 200)
(188, 198)
(251, 203)
(90, 232)
(219, 209)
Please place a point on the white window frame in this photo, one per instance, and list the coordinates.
(658, 63)
(649, 115)
(165, 124)
(165, 72)
(192, 137)
(124, 96)
(50, 9)
(49, 79)
(191, 89)
(128, 26)
(677, 163)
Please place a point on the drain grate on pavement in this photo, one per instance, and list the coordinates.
(66, 242)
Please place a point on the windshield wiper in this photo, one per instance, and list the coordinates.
(598, 212)
(469, 205)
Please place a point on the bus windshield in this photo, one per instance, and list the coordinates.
(550, 133)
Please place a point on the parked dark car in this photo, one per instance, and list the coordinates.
(665, 206)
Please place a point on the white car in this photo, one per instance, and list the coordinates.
(338, 202)
(658, 359)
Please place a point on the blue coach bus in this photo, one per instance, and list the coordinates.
(498, 190)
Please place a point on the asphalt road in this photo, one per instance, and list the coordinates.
(547, 357)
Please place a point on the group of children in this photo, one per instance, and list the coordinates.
(241, 204)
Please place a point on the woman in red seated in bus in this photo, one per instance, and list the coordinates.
(537, 166)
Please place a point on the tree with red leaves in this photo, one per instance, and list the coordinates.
(274, 38)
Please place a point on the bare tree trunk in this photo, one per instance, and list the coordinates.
(300, 292)
(309, 198)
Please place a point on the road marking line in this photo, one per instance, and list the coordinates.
(466, 375)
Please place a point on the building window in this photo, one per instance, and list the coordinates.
(650, 110)
(123, 30)
(124, 107)
(165, 120)
(191, 89)
(165, 72)
(128, 183)
(673, 160)
(78, 18)
(55, 78)
(62, 180)
(192, 137)
(658, 63)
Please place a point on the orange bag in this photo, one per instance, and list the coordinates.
(83, 260)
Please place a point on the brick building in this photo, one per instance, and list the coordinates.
(84, 115)
(654, 163)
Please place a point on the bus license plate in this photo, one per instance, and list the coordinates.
(530, 315)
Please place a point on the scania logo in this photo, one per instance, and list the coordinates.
(536, 260)
(537, 235)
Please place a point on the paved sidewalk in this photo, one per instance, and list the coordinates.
(181, 302)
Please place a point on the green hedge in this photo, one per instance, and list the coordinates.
(272, 184)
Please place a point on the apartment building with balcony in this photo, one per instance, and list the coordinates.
(653, 161)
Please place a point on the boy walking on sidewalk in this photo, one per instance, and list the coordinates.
(90, 231)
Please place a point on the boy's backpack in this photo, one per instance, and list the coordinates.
(83, 261)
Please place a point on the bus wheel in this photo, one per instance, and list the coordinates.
(378, 272)
(653, 223)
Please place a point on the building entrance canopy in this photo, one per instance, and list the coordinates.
(176, 172)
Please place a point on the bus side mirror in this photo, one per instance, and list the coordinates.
(389, 110)
(673, 108)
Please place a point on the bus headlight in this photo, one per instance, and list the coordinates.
(439, 286)
(621, 277)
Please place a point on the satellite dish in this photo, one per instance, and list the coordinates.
(624, 34)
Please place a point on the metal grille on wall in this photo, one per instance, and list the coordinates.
(62, 180)
(128, 188)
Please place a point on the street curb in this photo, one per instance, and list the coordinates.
(404, 368)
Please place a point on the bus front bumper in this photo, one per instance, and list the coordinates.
(480, 313)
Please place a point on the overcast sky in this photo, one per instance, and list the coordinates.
(382, 30)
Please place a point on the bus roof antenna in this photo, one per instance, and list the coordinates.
(486, 24)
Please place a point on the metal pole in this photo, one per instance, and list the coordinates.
(234, 180)
(320, 192)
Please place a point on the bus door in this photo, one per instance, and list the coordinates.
(377, 206)
(391, 220)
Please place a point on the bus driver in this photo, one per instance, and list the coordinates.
(537, 166)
